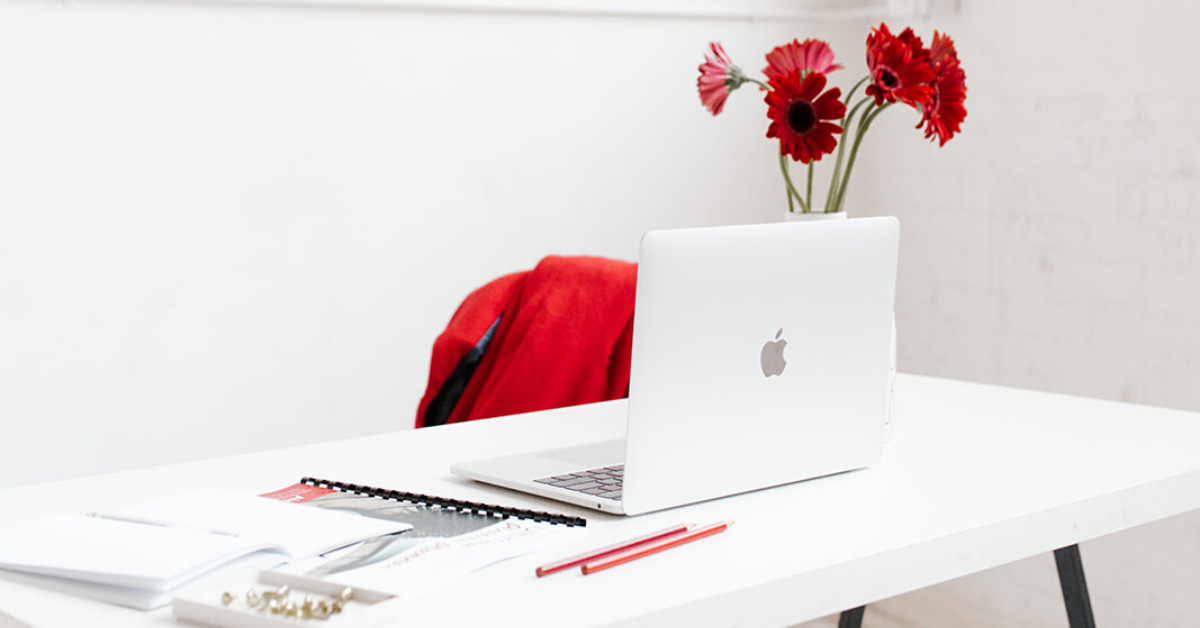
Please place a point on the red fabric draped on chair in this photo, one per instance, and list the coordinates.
(555, 336)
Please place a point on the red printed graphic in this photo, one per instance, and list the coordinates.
(298, 493)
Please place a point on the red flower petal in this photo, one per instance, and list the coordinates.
(829, 106)
(899, 66)
(942, 116)
(811, 55)
(796, 97)
(942, 49)
(811, 87)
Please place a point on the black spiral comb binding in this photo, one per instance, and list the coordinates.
(491, 510)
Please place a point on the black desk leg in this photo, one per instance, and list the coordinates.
(1074, 587)
(1070, 575)
(852, 618)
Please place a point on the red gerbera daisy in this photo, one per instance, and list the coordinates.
(718, 77)
(942, 49)
(811, 55)
(899, 67)
(798, 111)
(945, 111)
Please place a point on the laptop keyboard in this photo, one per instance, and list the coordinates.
(602, 482)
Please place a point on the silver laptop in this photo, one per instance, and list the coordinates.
(760, 357)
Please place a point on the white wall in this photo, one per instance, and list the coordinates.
(228, 227)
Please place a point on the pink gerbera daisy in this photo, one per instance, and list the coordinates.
(718, 77)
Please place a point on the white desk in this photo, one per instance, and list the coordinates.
(976, 477)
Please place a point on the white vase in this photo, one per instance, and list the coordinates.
(818, 213)
(889, 422)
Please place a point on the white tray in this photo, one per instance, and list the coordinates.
(204, 605)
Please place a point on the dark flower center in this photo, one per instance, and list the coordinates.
(801, 117)
(887, 78)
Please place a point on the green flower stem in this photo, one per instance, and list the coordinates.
(787, 184)
(831, 198)
(810, 177)
(783, 165)
(860, 130)
(758, 83)
(850, 94)
(867, 118)
(831, 204)
(791, 201)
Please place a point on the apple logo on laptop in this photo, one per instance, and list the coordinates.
(773, 361)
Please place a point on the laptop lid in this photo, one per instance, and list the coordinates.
(760, 357)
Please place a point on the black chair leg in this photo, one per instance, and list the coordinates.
(852, 618)
(1074, 587)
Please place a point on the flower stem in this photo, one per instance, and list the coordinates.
(865, 121)
(787, 177)
(850, 94)
(810, 177)
(831, 199)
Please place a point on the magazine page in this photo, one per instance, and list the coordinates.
(426, 521)
(443, 545)
(437, 562)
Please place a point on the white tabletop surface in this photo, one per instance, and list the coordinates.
(976, 476)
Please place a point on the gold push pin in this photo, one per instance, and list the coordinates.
(226, 598)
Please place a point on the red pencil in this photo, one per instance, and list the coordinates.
(647, 549)
(574, 561)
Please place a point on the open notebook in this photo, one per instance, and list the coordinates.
(138, 556)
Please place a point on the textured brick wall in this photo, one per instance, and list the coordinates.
(1055, 244)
